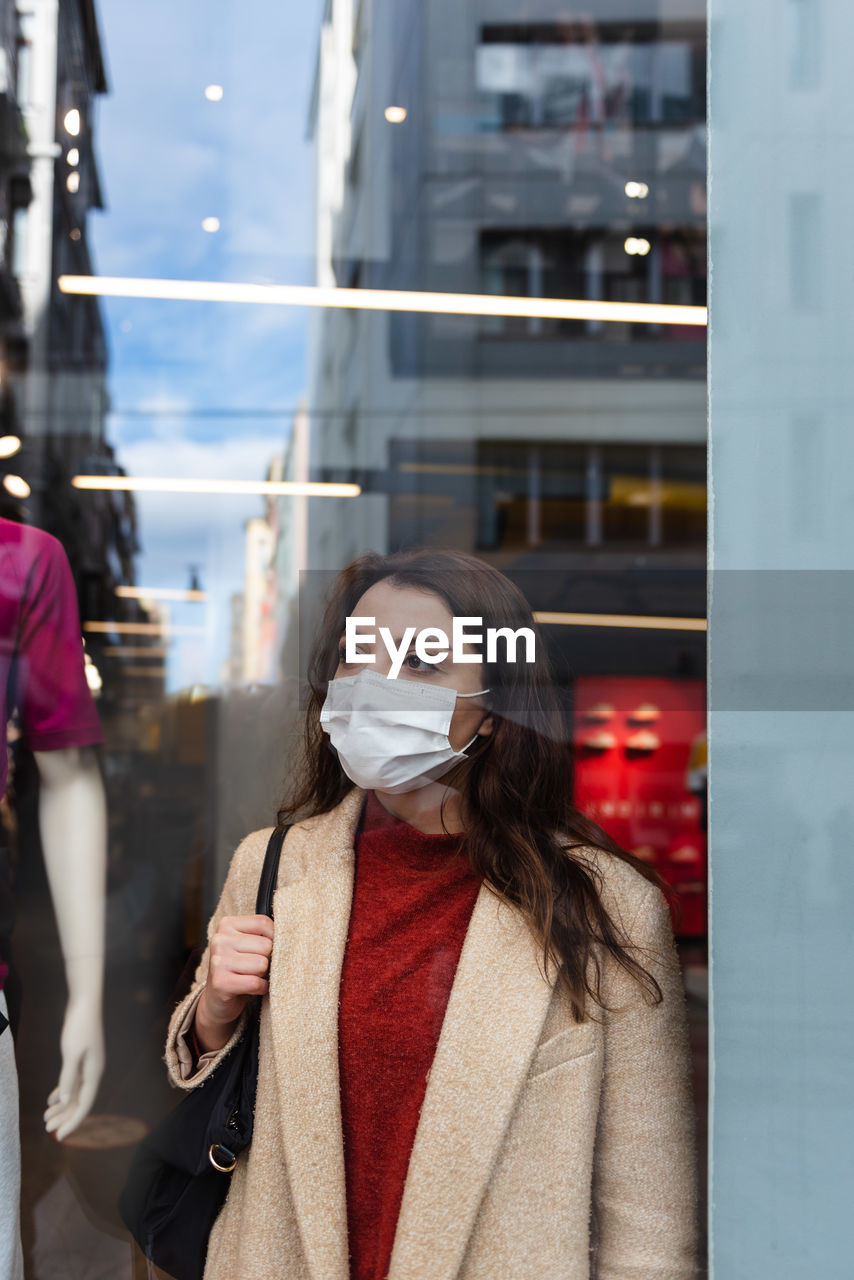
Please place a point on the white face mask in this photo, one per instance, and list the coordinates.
(391, 735)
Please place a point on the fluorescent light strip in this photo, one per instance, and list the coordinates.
(458, 469)
(620, 620)
(135, 651)
(269, 488)
(457, 304)
(159, 593)
(141, 629)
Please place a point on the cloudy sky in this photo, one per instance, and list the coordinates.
(204, 389)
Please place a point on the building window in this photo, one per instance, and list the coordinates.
(515, 495)
(354, 164)
(359, 31)
(587, 75)
(592, 263)
(18, 256)
(24, 87)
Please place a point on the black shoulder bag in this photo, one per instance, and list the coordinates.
(179, 1176)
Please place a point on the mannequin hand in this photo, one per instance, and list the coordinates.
(82, 1049)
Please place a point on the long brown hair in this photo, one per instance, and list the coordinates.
(520, 825)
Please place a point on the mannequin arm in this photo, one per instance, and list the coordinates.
(72, 819)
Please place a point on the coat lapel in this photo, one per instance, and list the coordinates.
(312, 913)
(494, 1018)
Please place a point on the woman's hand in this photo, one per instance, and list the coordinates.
(240, 951)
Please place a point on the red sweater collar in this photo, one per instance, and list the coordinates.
(394, 837)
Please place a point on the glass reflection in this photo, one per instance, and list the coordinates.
(461, 147)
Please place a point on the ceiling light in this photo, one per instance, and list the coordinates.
(159, 593)
(395, 115)
(17, 486)
(136, 651)
(620, 620)
(72, 182)
(141, 629)
(9, 446)
(210, 224)
(637, 190)
(269, 488)
(72, 122)
(213, 93)
(73, 157)
(459, 304)
(637, 246)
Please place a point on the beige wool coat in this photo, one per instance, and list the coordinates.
(545, 1150)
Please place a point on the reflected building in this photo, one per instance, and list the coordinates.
(264, 642)
(288, 519)
(486, 147)
(60, 378)
(15, 196)
(61, 75)
(258, 619)
(471, 146)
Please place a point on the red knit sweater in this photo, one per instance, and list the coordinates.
(412, 900)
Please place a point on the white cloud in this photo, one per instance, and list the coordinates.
(166, 454)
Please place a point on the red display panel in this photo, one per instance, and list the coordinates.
(639, 744)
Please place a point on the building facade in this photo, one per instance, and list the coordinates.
(58, 381)
(516, 169)
(15, 197)
(463, 148)
(482, 147)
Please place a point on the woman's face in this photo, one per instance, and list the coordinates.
(398, 608)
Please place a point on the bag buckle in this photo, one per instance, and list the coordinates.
(221, 1152)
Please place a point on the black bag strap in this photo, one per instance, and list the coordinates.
(270, 872)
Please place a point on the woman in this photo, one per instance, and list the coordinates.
(473, 1060)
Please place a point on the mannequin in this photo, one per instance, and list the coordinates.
(42, 673)
(73, 824)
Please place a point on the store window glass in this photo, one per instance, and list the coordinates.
(282, 286)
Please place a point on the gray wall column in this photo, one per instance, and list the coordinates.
(781, 640)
